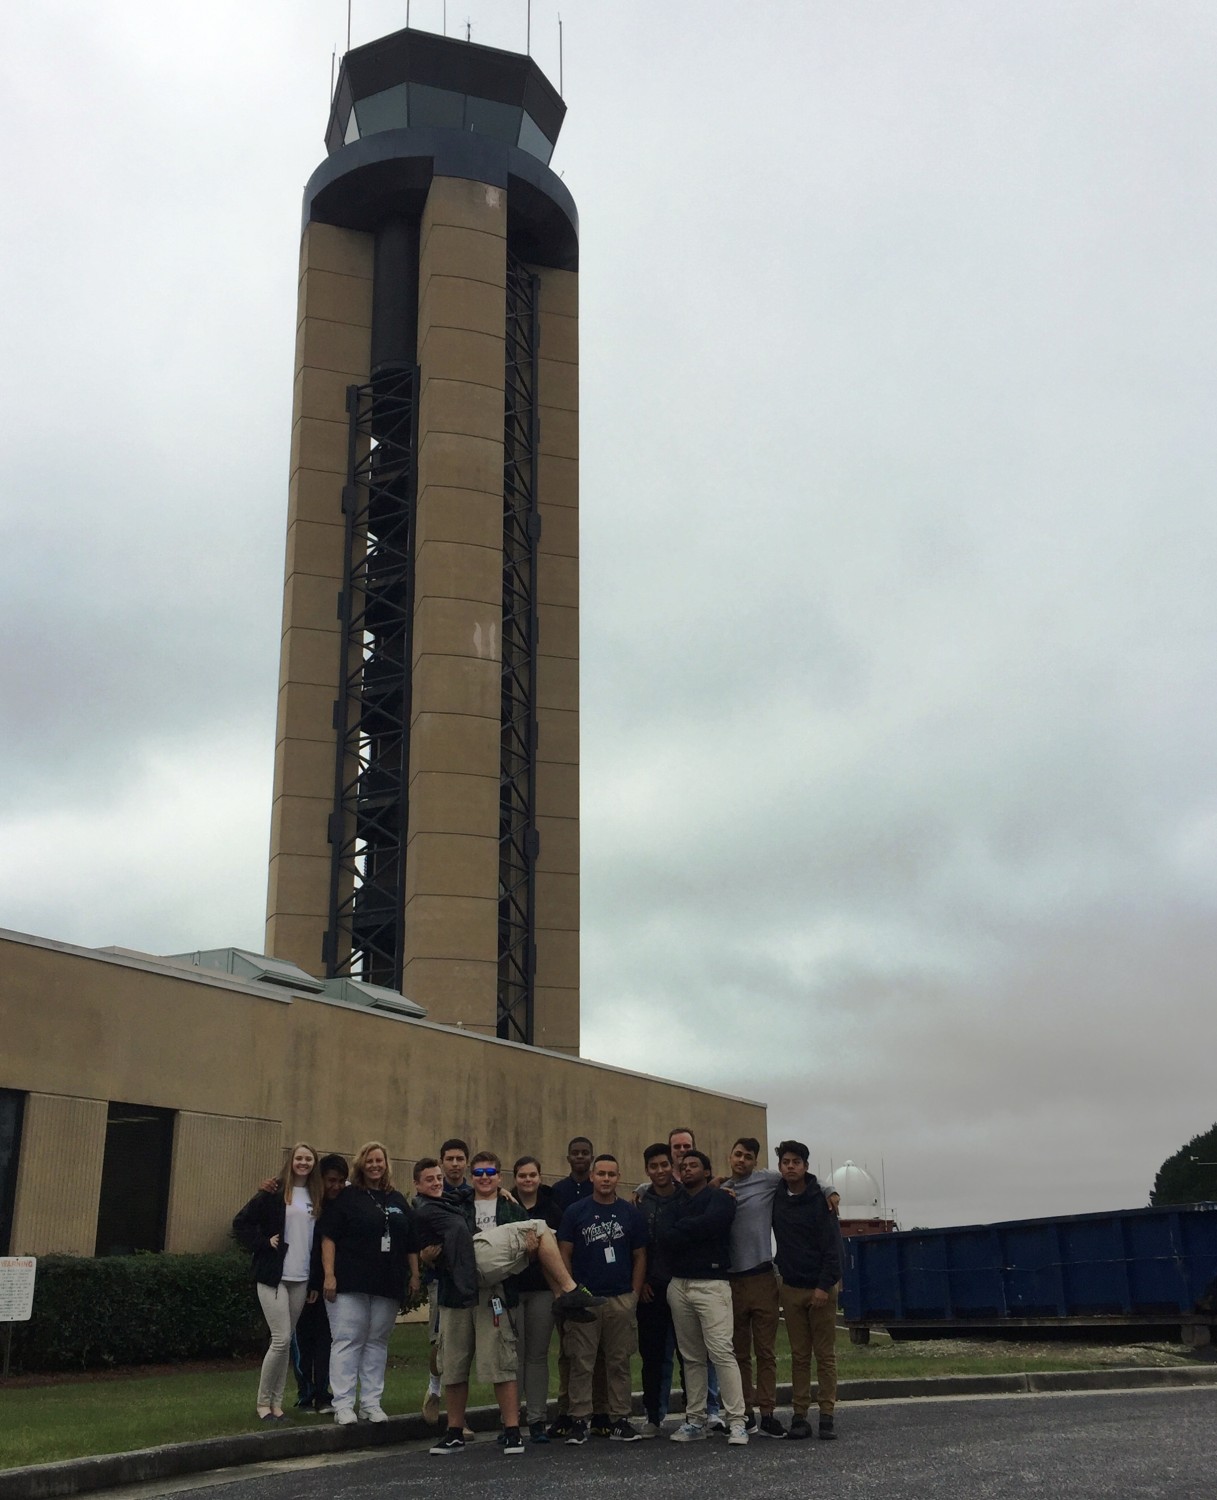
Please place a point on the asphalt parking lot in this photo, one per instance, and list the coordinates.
(1138, 1445)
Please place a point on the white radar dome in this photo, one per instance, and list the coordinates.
(859, 1192)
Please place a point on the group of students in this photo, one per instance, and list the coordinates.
(689, 1266)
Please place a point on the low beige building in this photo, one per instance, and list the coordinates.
(142, 1098)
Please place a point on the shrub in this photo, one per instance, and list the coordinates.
(139, 1309)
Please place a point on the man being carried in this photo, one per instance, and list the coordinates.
(809, 1258)
(698, 1245)
(473, 1264)
(603, 1242)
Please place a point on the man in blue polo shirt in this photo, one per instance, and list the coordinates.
(604, 1238)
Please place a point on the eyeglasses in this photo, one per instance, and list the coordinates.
(485, 1171)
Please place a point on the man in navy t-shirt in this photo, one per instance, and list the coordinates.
(603, 1240)
(568, 1190)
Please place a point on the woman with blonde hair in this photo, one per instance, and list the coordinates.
(276, 1226)
(369, 1259)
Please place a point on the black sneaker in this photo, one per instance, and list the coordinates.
(512, 1441)
(537, 1433)
(449, 1443)
(576, 1433)
(560, 1427)
(577, 1300)
(622, 1432)
(602, 1424)
(750, 1422)
(799, 1428)
(826, 1427)
(769, 1426)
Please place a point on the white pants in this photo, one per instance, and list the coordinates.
(281, 1307)
(360, 1326)
(704, 1320)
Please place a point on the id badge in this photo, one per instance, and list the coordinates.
(386, 1243)
(496, 1306)
(610, 1255)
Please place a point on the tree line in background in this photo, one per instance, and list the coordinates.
(1190, 1176)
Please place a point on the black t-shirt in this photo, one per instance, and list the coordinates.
(533, 1279)
(357, 1221)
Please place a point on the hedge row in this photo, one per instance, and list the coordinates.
(138, 1309)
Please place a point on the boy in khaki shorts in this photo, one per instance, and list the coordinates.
(483, 1243)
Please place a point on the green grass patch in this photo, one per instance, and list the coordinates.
(74, 1416)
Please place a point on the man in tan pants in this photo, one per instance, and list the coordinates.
(603, 1241)
(808, 1240)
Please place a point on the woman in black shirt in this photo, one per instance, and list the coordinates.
(370, 1263)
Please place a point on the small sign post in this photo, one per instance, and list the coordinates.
(17, 1273)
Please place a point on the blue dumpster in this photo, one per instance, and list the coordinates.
(1143, 1265)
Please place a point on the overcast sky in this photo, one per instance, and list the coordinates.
(899, 632)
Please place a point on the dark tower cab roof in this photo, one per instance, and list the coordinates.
(415, 79)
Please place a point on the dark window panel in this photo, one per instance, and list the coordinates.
(135, 1180)
(12, 1109)
(440, 107)
(487, 117)
(383, 111)
(533, 139)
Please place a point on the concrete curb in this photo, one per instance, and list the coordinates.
(78, 1476)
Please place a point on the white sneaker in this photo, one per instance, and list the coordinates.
(737, 1437)
(689, 1432)
(651, 1429)
(373, 1414)
(345, 1416)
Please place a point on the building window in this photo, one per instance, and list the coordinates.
(135, 1180)
(12, 1107)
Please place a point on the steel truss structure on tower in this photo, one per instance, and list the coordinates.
(518, 839)
(368, 826)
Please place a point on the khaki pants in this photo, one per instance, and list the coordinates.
(813, 1334)
(754, 1301)
(599, 1380)
(701, 1315)
(614, 1331)
(500, 1250)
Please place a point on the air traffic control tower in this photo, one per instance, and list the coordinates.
(425, 828)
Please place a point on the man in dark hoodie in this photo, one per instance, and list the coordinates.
(698, 1247)
(808, 1240)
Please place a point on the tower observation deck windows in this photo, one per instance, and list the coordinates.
(420, 106)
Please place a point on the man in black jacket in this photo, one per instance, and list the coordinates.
(808, 1240)
(698, 1246)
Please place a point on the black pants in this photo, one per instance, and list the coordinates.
(311, 1355)
(654, 1330)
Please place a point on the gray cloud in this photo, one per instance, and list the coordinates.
(897, 527)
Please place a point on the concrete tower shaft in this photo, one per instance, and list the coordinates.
(425, 823)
